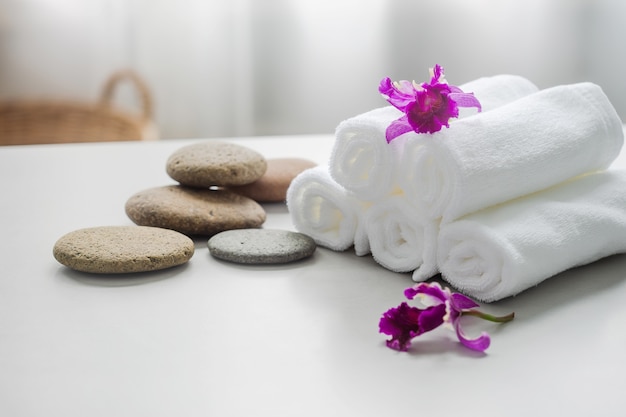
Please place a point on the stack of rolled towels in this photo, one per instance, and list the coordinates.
(497, 203)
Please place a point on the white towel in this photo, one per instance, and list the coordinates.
(364, 163)
(322, 209)
(496, 91)
(503, 250)
(361, 160)
(361, 240)
(530, 144)
(400, 239)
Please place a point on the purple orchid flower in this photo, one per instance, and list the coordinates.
(403, 323)
(426, 107)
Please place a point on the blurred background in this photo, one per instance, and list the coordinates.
(220, 68)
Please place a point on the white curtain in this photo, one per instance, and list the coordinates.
(255, 67)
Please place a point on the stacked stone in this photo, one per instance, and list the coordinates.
(202, 203)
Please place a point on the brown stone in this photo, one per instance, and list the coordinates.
(194, 211)
(273, 185)
(215, 163)
(122, 249)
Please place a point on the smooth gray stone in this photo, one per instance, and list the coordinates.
(261, 246)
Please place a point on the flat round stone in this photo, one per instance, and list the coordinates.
(194, 211)
(272, 186)
(261, 246)
(215, 163)
(122, 249)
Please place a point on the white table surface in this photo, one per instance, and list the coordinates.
(217, 339)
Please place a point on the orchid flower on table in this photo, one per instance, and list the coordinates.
(443, 307)
(426, 107)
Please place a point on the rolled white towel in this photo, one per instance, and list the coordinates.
(530, 144)
(361, 240)
(402, 240)
(496, 91)
(364, 163)
(505, 249)
(322, 209)
(361, 160)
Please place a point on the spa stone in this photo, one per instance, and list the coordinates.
(194, 211)
(261, 246)
(272, 186)
(215, 163)
(122, 249)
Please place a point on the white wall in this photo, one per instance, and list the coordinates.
(246, 67)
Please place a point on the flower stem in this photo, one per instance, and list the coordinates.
(489, 317)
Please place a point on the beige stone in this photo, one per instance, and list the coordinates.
(194, 211)
(215, 163)
(122, 249)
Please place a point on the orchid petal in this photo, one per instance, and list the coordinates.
(480, 344)
(386, 86)
(397, 128)
(431, 318)
(405, 87)
(411, 292)
(465, 100)
(437, 74)
(402, 324)
(432, 289)
(461, 302)
(399, 94)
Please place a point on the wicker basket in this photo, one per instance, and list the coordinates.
(37, 122)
